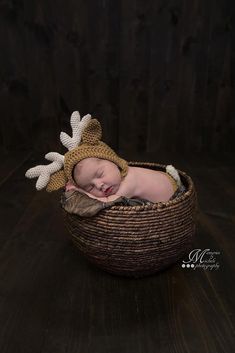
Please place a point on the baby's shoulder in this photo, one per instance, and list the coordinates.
(128, 184)
(147, 174)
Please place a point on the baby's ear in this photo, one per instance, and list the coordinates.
(92, 133)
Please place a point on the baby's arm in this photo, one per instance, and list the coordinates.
(70, 186)
(103, 199)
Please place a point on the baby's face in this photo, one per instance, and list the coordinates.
(97, 176)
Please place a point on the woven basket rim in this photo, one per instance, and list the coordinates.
(158, 205)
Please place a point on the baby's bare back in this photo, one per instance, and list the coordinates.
(141, 183)
(148, 184)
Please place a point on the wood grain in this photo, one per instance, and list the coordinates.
(53, 300)
(158, 74)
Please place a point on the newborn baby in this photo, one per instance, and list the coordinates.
(93, 168)
(101, 179)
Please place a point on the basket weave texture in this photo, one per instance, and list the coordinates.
(138, 240)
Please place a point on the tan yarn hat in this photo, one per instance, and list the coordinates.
(85, 143)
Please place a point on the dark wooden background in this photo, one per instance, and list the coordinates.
(158, 74)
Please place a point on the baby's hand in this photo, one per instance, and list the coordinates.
(70, 186)
(102, 199)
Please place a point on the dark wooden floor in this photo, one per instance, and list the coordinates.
(52, 300)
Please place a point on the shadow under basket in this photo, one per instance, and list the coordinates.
(138, 240)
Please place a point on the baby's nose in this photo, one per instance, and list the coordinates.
(99, 185)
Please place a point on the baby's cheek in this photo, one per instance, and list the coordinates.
(97, 193)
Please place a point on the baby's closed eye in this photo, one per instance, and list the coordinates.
(100, 174)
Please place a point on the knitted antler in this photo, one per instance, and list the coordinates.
(47, 173)
(43, 172)
(77, 129)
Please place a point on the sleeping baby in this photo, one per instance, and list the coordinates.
(101, 179)
(92, 170)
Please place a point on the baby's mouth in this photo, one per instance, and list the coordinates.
(108, 190)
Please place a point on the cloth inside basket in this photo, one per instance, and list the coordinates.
(80, 204)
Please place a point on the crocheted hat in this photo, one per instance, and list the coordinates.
(85, 143)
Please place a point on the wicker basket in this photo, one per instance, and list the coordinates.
(138, 240)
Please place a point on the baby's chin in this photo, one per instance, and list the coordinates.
(114, 190)
(98, 194)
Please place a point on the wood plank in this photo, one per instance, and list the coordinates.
(52, 299)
